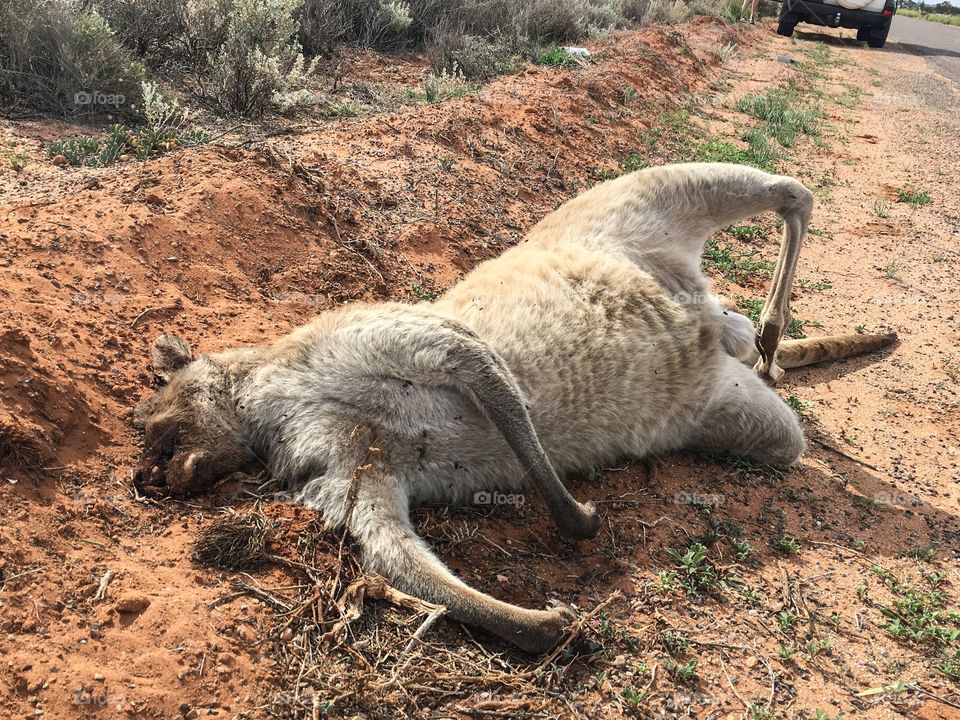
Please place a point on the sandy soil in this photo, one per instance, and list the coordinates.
(237, 242)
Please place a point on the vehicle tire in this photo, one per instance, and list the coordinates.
(863, 34)
(786, 26)
(878, 36)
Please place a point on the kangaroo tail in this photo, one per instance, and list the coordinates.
(809, 351)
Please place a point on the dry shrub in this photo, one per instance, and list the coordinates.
(259, 61)
(53, 52)
(147, 27)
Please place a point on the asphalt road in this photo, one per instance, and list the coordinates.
(939, 43)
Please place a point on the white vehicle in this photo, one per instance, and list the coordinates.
(871, 18)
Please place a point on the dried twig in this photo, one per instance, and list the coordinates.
(101, 593)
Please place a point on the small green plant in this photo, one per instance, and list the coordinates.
(450, 83)
(695, 572)
(785, 545)
(786, 620)
(665, 581)
(633, 696)
(556, 57)
(819, 285)
(786, 652)
(632, 163)
(799, 406)
(950, 665)
(951, 366)
(820, 646)
(915, 197)
(744, 550)
(886, 576)
(684, 672)
(881, 208)
(675, 643)
(422, 293)
(892, 268)
(926, 554)
(16, 159)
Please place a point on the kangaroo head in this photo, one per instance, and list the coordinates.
(193, 435)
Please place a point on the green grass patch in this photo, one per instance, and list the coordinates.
(916, 197)
(736, 265)
(752, 307)
(632, 163)
(556, 57)
(758, 152)
(783, 120)
(932, 17)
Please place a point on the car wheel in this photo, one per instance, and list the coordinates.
(878, 37)
(863, 34)
(786, 26)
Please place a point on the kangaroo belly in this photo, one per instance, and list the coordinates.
(606, 358)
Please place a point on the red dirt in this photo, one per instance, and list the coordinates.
(237, 243)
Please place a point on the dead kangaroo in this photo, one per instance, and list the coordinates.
(595, 338)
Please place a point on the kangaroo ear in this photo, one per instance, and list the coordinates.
(169, 354)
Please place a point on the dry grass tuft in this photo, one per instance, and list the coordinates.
(233, 542)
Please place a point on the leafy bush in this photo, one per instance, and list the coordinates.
(56, 55)
(140, 143)
(556, 57)
(260, 59)
(506, 23)
(204, 28)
